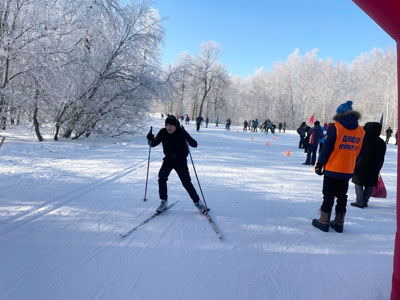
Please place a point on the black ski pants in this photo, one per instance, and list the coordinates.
(334, 187)
(181, 168)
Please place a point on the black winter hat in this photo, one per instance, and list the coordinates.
(172, 121)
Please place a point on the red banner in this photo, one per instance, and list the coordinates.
(311, 121)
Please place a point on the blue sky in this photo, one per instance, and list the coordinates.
(256, 34)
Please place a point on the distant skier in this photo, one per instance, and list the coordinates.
(173, 139)
(269, 126)
(255, 125)
(245, 124)
(228, 124)
(389, 132)
(199, 120)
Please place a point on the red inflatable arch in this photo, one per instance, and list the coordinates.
(386, 13)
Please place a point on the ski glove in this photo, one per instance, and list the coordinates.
(150, 135)
(318, 169)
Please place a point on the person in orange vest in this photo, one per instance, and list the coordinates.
(336, 162)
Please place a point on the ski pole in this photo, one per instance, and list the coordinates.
(148, 166)
(201, 191)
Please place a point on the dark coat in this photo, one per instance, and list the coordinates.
(317, 131)
(174, 145)
(372, 155)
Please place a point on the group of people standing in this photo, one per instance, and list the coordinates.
(265, 127)
(310, 139)
(348, 151)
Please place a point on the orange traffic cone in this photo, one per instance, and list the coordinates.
(288, 152)
(252, 138)
(267, 143)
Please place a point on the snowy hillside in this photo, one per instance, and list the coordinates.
(64, 204)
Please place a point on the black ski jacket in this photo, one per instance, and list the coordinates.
(174, 145)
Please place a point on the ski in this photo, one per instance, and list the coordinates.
(207, 215)
(123, 235)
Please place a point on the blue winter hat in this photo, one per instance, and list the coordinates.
(344, 107)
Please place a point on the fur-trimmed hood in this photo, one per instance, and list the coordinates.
(349, 119)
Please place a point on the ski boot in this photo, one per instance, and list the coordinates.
(163, 206)
(201, 207)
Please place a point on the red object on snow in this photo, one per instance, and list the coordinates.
(379, 191)
(386, 13)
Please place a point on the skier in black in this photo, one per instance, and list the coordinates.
(389, 132)
(175, 141)
(199, 120)
(245, 124)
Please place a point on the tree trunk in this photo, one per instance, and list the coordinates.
(3, 102)
(57, 131)
(36, 124)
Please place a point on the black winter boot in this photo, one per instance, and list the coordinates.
(357, 204)
(338, 223)
(323, 222)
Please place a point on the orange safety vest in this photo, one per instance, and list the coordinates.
(345, 152)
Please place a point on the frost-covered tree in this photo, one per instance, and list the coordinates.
(304, 85)
(207, 72)
(85, 66)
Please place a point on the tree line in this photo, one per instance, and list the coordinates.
(290, 92)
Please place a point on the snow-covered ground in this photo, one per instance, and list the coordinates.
(64, 204)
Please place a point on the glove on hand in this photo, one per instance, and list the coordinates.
(318, 169)
(150, 135)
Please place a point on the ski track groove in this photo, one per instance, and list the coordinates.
(56, 202)
(72, 263)
(80, 261)
(168, 226)
(55, 250)
(136, 283)
(138, 216)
